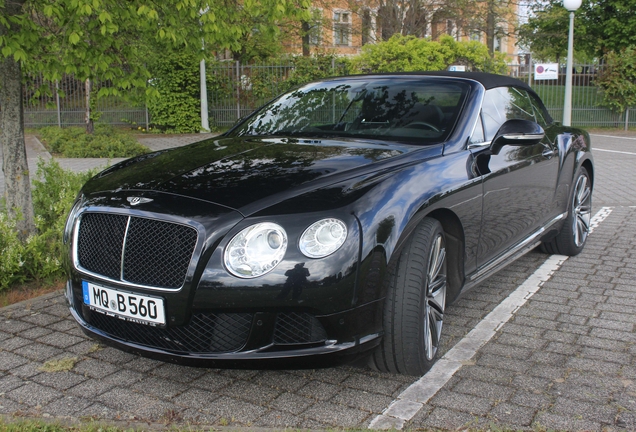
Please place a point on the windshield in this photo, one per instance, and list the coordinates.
(421, 109)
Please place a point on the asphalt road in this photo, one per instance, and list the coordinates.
(558, 351)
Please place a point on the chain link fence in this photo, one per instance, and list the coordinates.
(235, 90)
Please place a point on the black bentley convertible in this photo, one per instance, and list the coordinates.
(336, 222)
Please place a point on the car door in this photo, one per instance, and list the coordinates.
(518, 183)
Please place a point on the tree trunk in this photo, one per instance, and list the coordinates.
(90, 126)
(305, 29)
(490, 27)
(17, 190)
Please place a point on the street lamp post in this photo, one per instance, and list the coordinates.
(570, 5)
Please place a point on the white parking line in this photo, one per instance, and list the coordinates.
(613, 151)
(612, 136)
(411, 400)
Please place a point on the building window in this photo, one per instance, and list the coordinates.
(341, 28)
(475, 36)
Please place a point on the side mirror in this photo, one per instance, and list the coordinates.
(517, 132)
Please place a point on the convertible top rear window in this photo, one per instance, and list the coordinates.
(421, 110)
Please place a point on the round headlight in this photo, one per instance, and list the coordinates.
(256, 250)
(323, 238)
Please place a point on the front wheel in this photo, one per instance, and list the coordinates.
(573, 235)
(415, 303)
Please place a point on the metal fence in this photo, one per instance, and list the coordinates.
(235, 90)
(63, 103)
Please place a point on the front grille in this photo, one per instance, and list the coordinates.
(298, 328)
(207, 333)
(136, 250)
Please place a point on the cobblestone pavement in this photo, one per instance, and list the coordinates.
(566, 360)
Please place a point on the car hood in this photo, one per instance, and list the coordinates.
(236, 172)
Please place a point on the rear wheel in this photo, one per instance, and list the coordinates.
(415, 303)
(573, 235)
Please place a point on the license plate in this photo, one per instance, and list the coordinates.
(133, 307)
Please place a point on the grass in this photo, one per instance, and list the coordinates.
(60, 365)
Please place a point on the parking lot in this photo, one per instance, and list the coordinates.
(557, 352)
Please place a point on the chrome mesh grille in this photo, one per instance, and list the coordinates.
(298, 328)
(156, 253)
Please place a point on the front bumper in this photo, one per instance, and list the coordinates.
(265, 339)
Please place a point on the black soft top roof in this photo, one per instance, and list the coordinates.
(486, 79)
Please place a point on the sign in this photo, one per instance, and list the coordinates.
(546, 71)
(457, 68)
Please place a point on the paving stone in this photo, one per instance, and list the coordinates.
(11, 407)
(14, 343)
(249, 392)
(278, 419)
(448, 419)
(41, 319)
(8, 360)
(33, 394)
(90, 389)
(531, 400)
(522, 341)
(142, 364)
(60, 340)
(336, 415)
(511, 414)
(601, 354)
(68, 406)
(461, 402)
(372, 385)
(38, 352)
(35, 333)
(581, 392)
(292, 403)
(212, 381)
(603, 343)
(503, 363)
(233, 410)
(551, 421)
(486, 374)
(178, 373)
(506, 350)
(280, 380)
(612, 325)
(591, 411)
(319, 390)
(112, 355)
(94, 368)
(362, 400)
(332, 375)
(559, 336)
(159, 387)
(563, 348)
(494, 392)
(10, 382)
(58, 380)
(196, 398)
(144, 406)
(549, 358)
(63, 326)
(593, 365)
(27, 370)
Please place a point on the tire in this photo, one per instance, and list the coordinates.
(415, 303)
(573, 235)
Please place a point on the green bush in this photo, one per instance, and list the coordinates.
(409, 53)
(176, 106)
(104, 142)
(40, 257)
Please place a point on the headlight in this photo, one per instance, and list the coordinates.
(70, 220)
(323, 238)
(256, 250)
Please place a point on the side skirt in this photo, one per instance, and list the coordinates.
(510, 255)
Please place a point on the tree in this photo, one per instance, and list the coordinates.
(545, 33)
(601, 26)
(618, 80)
(106, 40)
